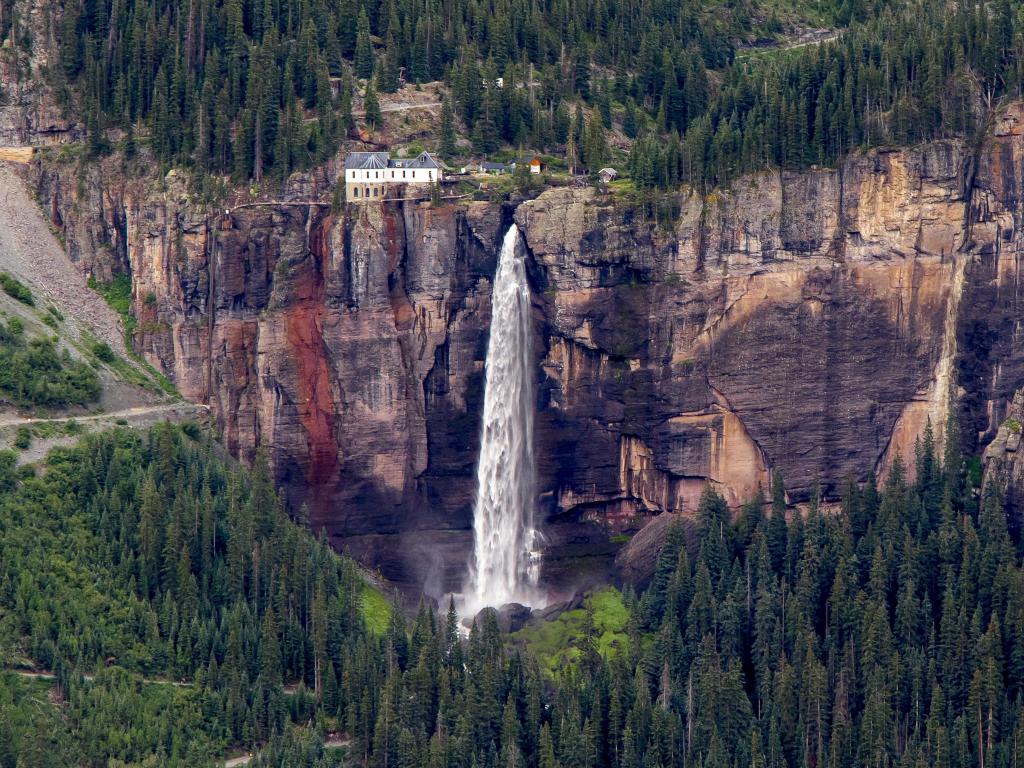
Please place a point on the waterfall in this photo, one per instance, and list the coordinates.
(504, 567)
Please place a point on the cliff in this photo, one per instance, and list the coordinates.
(807, 322)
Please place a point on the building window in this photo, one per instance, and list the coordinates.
(374, 191)
(367, 194)
(356, 191)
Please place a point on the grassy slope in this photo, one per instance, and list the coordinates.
(558, 644)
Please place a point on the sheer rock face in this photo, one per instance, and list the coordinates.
(807, 322)
(29, 114)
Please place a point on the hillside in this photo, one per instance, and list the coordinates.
(757, 414)
(66, 369)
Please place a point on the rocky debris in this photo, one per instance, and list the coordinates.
(553, 611)
(29, 251)
(509, 618)
(512, 617)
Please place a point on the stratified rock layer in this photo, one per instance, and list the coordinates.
(807, 322)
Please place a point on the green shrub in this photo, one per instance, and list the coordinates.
(103, 351)
(34, 372)
(118, 294)
(8, 470)
(23, 439)
(16, 289)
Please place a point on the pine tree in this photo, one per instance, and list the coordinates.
(778, 535)
(595, 147)
(364, 48)
(371, 107)
(388, 73)
(447, 130)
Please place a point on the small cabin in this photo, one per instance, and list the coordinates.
(607, 175)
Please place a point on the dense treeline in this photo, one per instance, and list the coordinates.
(889, 631)
(251, 87)
(153, 556)
(917, 70)
(886, 631)
(246, 85)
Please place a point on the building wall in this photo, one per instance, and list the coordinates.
(393, 175)
(358, 191)
(374, 183)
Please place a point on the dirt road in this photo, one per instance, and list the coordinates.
(8, 420)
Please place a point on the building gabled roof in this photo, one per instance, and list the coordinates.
(380, 160)
(488, 166)
(364, 160)
(422, 160)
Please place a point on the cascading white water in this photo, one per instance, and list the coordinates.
(504, 568)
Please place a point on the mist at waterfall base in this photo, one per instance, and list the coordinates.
(506, 559)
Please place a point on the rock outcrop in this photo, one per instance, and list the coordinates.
(29, 114)
(1004, 460)
(806, 322)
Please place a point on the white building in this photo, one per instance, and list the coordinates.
(369, 174)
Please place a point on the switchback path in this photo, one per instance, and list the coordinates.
(176, 409)
(333, 742)
(386, 109)
(400, 108)
(51, 676)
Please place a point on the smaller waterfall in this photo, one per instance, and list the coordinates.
(504, 568)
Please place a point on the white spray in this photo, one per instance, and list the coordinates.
(505, 565)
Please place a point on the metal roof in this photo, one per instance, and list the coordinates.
(422, 160)
(379, 160)
(366, 160)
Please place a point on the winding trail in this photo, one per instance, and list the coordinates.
(333, 742)
(89, 678)
(176, 408)
(399, 108)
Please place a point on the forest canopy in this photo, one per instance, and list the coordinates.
(247, 87)
(886, 631)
